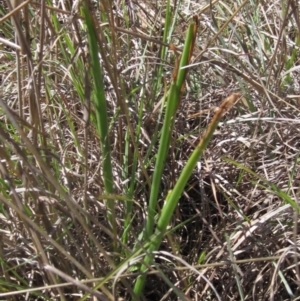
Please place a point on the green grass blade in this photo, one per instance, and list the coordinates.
(173, 197)
(101, 114)
(172, 105)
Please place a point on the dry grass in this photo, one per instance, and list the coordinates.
(234, 235)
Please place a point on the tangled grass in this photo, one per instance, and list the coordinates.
(122, 178)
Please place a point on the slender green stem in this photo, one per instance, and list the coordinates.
(101, 114)
(172, 105)
(175, 194)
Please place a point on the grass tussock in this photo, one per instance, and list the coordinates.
(149, 150)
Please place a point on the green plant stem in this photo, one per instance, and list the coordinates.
(175, 194)
(101, 116)
(172, 105)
